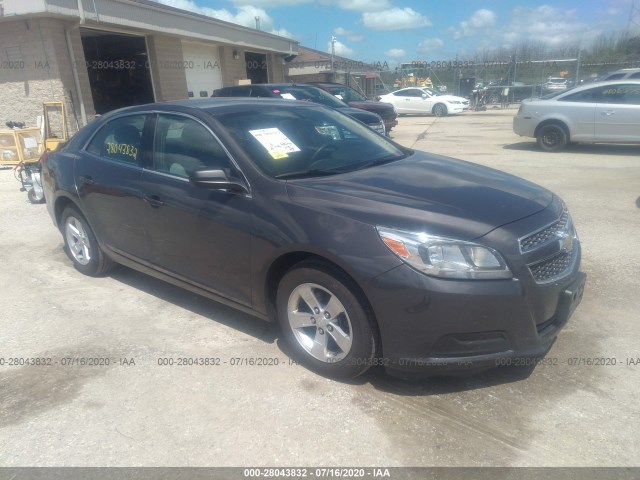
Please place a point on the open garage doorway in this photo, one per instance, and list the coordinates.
(118, 69)
(257, 70)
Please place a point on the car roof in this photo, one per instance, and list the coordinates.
(215, 105)
(270, 85)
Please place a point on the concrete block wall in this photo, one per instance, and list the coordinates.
(38, 69)
(165, 55)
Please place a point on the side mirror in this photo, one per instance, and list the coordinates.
(216, 180)
(424, 95)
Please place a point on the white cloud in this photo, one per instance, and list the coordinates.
(350, 35)
(363, 5)
(396, 53)
(429, 44)
(395, 19)
(480, 20)
(340, 49)
(244, 16)
(547, 24)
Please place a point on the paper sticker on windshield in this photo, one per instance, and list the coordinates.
(287, 96)
(277, 143)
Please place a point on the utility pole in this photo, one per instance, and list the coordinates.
(333, 54)
(257, 23)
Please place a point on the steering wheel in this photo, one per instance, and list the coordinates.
(319, 150)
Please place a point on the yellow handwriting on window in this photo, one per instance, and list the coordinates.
(122, 149)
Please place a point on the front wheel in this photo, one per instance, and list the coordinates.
(552, 138)
(440, 110)
(325, 323)
(81, 244)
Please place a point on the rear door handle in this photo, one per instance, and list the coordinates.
(86, 180)
(153, 200)
(608, 112)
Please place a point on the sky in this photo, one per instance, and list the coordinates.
(395, 31)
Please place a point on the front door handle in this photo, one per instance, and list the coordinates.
(608, 112)
(153, 200)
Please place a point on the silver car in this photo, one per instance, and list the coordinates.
(606, 112)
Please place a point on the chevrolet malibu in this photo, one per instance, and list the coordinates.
(365, 252)
(607, 112)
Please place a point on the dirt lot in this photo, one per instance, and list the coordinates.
(134, 412)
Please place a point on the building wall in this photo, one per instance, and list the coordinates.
(38, 49)
(169, 82)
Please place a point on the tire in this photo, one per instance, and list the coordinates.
(338, 345)
(494, 100)
(81, 244)
(552, 138)
(31, 195)
(440, 110)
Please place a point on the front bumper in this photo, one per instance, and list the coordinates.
(433, 326)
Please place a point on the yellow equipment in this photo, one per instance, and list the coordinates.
(20, 145)
(55, 124)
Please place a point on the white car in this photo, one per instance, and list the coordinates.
(606, 112)
(417, 100)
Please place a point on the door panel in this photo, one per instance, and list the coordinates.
(202, 236)
(618, 114)
(109, 182)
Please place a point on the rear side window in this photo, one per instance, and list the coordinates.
(635, 75)
(615, 76)
(621, 94)
(119, 140)
(591, 95)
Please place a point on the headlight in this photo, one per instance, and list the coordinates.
(445, 257)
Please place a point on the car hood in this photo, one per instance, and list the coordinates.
(371, 106)
(362, 115)
(425, 192)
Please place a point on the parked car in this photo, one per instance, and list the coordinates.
(366, 252)
(555, 83)
(622, 74)
(303, 92)
(606, 112)
(416, 100)
(356, 100)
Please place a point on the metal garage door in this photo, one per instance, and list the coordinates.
(202, 69)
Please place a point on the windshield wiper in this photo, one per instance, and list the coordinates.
(316, 172)
(379, 161)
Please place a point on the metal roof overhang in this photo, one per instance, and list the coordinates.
(145, 16)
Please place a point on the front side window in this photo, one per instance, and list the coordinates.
(119, 140)
(183, 146)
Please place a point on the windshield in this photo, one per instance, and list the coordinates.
(309, 94)
(290, 142)
(347, 94)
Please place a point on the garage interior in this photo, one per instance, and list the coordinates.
(257, 70)
(117, 65)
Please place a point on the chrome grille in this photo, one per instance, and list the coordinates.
(549, 233)
(552, 267)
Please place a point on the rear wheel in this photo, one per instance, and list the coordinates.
(81, 244)
(440, 110)
(325, 322)
(552, 138)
